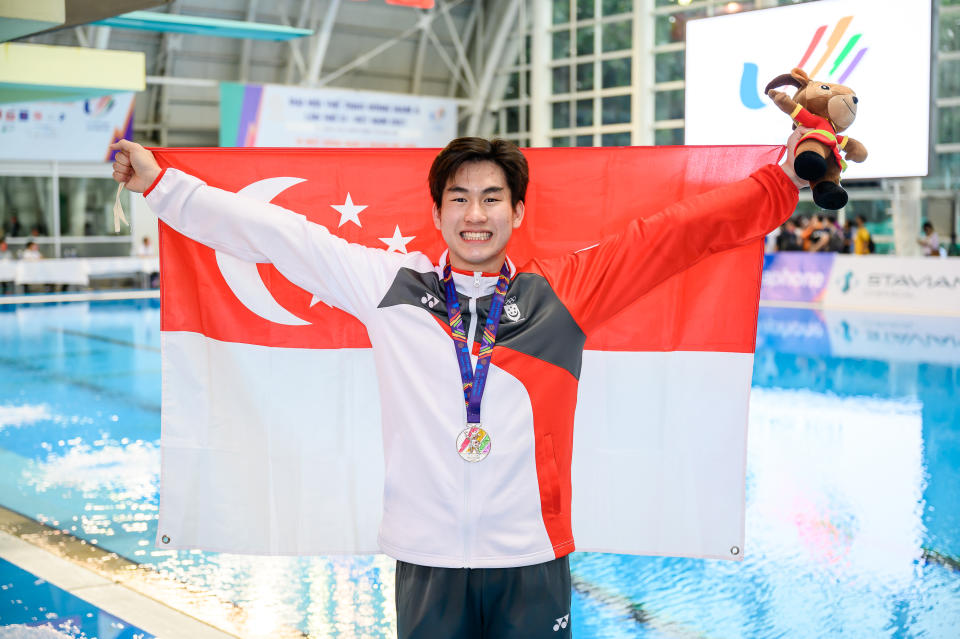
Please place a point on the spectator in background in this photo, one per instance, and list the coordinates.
(837, 237)
(145, 249)
(819, 236)
(789, 240)
(12, 226)
(847, 237)
(32, 252)
(930, 241)
(862, 242)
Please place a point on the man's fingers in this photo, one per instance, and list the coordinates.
(123, 145)
(121, 158)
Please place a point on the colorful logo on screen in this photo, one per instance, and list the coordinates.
(99, 106)
(749, 82)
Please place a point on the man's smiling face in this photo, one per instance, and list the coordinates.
(476, 217)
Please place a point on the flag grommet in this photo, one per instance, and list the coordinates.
(734, 550)
(165, 539)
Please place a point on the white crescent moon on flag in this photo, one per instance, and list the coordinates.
(243, 278)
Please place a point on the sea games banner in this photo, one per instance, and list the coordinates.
(77, 131)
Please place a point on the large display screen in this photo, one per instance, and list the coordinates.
(879, 48)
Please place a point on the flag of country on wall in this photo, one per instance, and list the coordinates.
(659, 441)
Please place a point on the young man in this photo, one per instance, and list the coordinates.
(477, 493)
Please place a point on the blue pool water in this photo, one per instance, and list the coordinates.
(853, 486)
(29, 602)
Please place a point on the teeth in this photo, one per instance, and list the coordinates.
(467, 235)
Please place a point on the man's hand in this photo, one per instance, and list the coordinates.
(134, 166)
(787, 165)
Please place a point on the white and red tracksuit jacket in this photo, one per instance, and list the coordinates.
(512, 508)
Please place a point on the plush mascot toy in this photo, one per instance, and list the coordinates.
(828, 109)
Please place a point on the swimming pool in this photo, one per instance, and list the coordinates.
(853, 487)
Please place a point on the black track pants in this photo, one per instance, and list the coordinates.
(528, 602)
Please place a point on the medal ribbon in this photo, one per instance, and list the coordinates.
(474, 381)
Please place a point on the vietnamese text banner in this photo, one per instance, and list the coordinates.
(284, 116)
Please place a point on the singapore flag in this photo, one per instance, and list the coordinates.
(271, 420)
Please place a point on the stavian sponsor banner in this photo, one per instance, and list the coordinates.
(879, 282)
(864, 282)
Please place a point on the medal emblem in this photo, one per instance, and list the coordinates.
(473, 443)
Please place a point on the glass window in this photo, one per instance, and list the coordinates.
(584, 140)
(585, 76)
(26, 206)
(615, 73)
(561, 115)
(673, 28)
(950, 32)
(512, 115)
(949, 78)
(949, 125)
(617, 36)
(611, 7)
(561, 79)
(615, 110)
(669, 66)
(512, 89)
(668, 105)
(561, 44)
(584, 113)
(584, 9)
(616, 139)
(561, 11)
(944, 171)
(668, 137)
(86, 206)
(585, 40)
(562, 140)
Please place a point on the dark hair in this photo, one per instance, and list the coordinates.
(927, 225)
(503, 153)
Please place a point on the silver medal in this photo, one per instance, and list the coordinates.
(473, 443)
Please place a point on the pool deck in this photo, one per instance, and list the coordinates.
(142, 597)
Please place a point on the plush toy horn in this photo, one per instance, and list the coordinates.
(783, 80)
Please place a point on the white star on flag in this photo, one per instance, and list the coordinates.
(398, 242)
(349, 212)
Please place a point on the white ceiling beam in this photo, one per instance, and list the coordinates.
(322, 42)
(470, 30)
(422, 23)
(494, 60)
(417, 80)
(458, 46)
(244, 74)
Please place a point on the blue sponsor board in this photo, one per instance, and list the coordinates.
(795, 276)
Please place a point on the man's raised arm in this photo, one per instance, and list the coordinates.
(350, 276)
(597, 283)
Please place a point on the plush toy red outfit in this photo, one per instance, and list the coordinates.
(827, 109)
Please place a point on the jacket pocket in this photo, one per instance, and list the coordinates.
(549, 478)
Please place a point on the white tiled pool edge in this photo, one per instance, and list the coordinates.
(114, 598)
